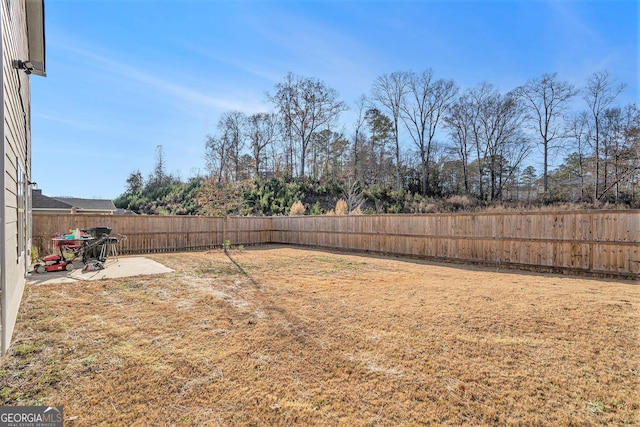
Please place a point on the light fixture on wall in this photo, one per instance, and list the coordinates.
(27, 66)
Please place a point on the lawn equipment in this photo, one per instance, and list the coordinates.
(54, 262)
(90, 248)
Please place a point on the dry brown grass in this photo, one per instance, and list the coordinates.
(322, 338)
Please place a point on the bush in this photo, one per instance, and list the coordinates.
(356, 211)
(316, 209)
(459, 202)
(35, 254)
(341, 207)
(297, 209)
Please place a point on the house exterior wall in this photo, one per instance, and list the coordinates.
(15, 239)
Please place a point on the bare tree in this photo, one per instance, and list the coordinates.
(159, 175)
(232, 125)
(306, 105)
(263, 129)
(579, 131)
(599, 93)
(352, 195)
(217, 156)
(459, 121)
(358, 138)
(620, 148)
(492, 122)
(546, 99)
(223, 151)
(474, 102)
(425, 103)
(389, 90)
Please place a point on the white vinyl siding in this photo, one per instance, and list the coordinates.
(16, 164)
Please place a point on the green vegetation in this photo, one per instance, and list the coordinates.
(277, 195)
(23, 350)
(172, 198)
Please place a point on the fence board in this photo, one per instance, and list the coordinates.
(602, 242)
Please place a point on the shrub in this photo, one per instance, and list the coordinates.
(356, 211)
(341, 207)
(316, 209)
(459, 202)
(35, 254)
(297, 209)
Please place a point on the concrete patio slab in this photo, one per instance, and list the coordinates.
(113, 268)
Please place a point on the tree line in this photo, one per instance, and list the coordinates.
(427, 137)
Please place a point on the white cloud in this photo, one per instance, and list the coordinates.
(77, 123)
(181, 92)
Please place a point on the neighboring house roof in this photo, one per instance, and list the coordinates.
(42, 203)
(89, 204)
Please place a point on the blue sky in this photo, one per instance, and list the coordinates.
(124, 76)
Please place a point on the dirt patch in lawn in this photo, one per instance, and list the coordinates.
(321, 338)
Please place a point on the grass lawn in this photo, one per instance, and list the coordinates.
(320, 338)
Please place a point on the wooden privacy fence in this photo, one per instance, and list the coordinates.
(596, 242)
(148, 234)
